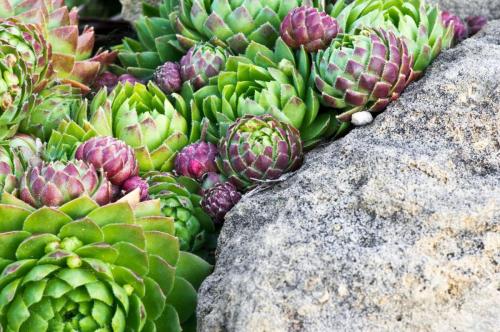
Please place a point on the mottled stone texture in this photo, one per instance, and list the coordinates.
(395, 227)
(132, 9)
(464, 8)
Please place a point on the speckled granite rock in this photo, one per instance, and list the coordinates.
(464, 8)
(395, 227)
(132, 9)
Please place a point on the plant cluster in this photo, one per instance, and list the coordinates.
(118, 167)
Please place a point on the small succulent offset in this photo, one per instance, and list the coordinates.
(363, 72)
(459, 26)
(219, 200)
(168, 77)
(257, 149)
(201, 62)
(196, 160)
(475, 23)
(309, 27)
(86, 268)
(135, 182)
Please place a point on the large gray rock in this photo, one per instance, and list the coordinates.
(395, 227)
(464, 8)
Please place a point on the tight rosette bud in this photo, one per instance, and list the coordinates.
(168, 77)
(308, 27)
(219, 200)
(113, 156)
(105, 80)
(196, 159)
(136, 182)
(475, 24)
(55, 184)
(257, 149)
(459, 27)
(201, 62)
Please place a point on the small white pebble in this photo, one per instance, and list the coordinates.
(362, 118)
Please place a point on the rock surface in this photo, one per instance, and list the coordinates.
(395, 227)
(132, 9)
(488, 8)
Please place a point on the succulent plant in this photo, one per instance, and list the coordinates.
(196, 160)
(23, 69)
(51, 106)
(363, 72)
(81, 267)
(57, 183)
(219, 200)
(168, 77)
(113, 156)
(459, 27)
(71, 52)
(265, 82)
(135, 182)
(475, 23)
(418, 21)
(309, 27)
(141, 116)
(180, 201)
(201, 62)
(257, 149)
(233, 23)
(156, 43)
(29, 41)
